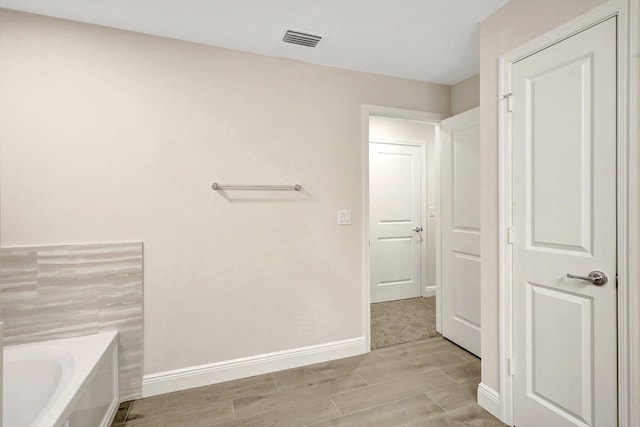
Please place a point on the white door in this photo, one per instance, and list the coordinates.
(395, 190)
(460, 177)
(564, 218)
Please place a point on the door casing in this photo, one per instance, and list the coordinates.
(628, 202)
(396, 113)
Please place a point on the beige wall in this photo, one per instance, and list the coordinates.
(514, 24)
(465, 95)
(114, 136)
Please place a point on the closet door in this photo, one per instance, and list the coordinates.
(564, 132)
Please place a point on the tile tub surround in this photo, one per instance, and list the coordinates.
(64, 291)
(426, 383)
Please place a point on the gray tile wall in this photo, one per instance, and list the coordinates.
(50, 292)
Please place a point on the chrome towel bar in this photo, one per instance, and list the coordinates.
(296, 187)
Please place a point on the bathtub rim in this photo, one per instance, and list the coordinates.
(88, 353)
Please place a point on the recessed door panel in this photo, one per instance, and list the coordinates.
(560, 148)
(399, 265)
(465, 241)
(466, 176)
(560, 351)
(393, 182)
(466, 270)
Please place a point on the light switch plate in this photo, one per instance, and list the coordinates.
(344, 217)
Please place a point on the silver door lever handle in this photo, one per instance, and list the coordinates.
(596, 277)
(417, 229)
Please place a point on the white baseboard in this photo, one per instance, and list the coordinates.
(429, 291)
(489, 399)
(213, 373)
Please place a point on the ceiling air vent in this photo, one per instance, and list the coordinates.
(302, 38)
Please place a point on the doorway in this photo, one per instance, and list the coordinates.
(401, 227)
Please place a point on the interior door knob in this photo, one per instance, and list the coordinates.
(596, 277)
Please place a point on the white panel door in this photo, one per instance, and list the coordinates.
(564, 219)
(395, 187)
(460, 177)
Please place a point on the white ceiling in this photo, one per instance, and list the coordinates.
(430, 40)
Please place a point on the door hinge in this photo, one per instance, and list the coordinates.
(510, 232)
(512, 367)
(509, 98)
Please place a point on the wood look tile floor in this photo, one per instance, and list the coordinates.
(424, 383)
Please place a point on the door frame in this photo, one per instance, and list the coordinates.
(395, 113)
(628, 204)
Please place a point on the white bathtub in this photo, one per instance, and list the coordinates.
(63, 383)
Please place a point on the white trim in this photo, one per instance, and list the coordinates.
(396, 141)
(633, 307)
(213, 373)
(429, 291)
(504, 250)
(624, 183)
(628, 205)
(397, 113)
(438, 209)
(366, 276)
(629, 293)
(401, 113)
(489, 399)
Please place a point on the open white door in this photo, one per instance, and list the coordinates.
(460, 177)
(564, 221)
(395, 203)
